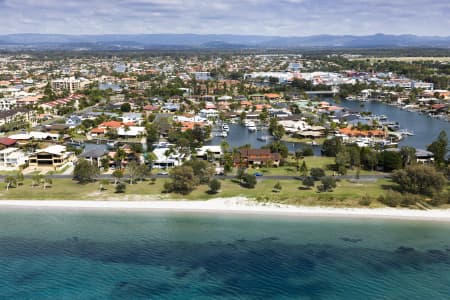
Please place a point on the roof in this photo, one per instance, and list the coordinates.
(7, 141)
(8, 150)
(53, 149)
(94, 153)
(112, 124)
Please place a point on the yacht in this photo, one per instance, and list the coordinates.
(225, 127)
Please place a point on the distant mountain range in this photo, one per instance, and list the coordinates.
(207, 41)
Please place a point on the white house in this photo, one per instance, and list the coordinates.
(131, 131)
(12, 158)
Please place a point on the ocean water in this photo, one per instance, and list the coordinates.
(79, 254)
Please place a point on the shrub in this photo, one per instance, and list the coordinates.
(365, 200)
(277, 187)
(317, 173)
(391, 199)
(308, 151)
(214, 186)
(308, 182)
(249, 181)
(121, 187)
(328, 183)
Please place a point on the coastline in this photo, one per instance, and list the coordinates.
(236, 205)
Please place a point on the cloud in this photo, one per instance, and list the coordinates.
(262, 17)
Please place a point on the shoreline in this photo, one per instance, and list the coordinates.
(236, 205)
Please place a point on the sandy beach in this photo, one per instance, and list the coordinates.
(237, 205)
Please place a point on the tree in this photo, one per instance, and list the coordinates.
(278, 147)
(332, 146)
(47, 182)
(308, 182)
(36, 180)
(183, 180)
(419, 179)
(240, 173)
(126, 107)
(328, 183)
(117, 174)
(317, 173)
(277, 187)
(10, 181)
(408, 155)
(214, 186)
(342, 161)
(132, 170)
(369, 158)
(20, 178)
(303, 169)
(84, 171)
(102, 184)
(390, 160)
(439, 148)
(203, 170)
(249, 181)
(121, 187)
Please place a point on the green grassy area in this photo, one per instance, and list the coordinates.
(347, 194)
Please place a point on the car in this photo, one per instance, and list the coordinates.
(258, 174)
(162, 173)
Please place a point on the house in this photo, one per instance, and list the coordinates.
(24, 138)
(257, 157)
(12, 158)
(166, 156)
(135, 118)
(95, 155)
(209, 152)
(73, 121)
(53, 156)
(424, 157)
(131, 131)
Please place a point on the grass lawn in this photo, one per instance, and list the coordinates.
(346, 194)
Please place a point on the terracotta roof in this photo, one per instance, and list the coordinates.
(7, 141)
(111, 124)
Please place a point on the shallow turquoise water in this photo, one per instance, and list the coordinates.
(156, 255)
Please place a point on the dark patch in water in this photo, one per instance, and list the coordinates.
(139, 290)
(404, 250)
(351, 240)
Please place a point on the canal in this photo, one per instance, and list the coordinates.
(425, 129)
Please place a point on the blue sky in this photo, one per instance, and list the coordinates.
(262, 17)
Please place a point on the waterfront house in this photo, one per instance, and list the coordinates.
(12, 158)
(257, 157)
(53, 156)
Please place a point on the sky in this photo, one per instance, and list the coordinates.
(261, 17)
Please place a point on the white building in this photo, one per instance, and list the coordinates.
(202, 76)
(12, 158)
(281, 76)
(7, 103)
(131, 131)
(68, 83)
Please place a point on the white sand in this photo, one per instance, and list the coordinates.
(237, 205)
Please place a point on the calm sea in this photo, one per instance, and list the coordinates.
(157, 255)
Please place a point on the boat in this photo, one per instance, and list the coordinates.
(251, 126)
(224, 134)
(406, 132)
(264, 138)
(226, 128)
